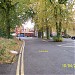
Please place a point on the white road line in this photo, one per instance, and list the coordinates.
(59, 45)
(67, 45)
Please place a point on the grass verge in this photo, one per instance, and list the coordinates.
(7, 45)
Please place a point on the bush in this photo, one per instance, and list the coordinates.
(2, 51)
(6, 45)
(57, 39)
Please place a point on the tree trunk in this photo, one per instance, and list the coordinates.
(58, 25)
(39, 34)
(65, 32)
(7, 24)
(60, 29)
(42, 33)
(57, 29)
(50, 31)
(47, 32)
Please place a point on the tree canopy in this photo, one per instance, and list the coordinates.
(47, 14)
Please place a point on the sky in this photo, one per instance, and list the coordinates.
(28, 24)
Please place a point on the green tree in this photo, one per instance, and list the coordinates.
(41, 8)
(6, 7)
(58, 15)
(13, 13)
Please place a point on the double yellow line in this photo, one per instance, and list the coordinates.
(20, 64)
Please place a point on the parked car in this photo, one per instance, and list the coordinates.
(73, 37)
(66, 36)
(53, 34)
(20, 35)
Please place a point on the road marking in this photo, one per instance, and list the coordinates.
(43, 50)
(59, 45)
(67, 45)
(21, 59)
(18, 65)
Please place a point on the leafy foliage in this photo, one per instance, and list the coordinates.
(7, 10)
(45, 13)
(12, 13)
(57, 39)
(52, 14)
(62, 1)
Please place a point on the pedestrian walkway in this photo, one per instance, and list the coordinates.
(8, 69)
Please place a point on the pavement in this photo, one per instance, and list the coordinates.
(8, 69)
(45, 57)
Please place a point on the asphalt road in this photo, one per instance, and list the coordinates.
(49, 58)
(42, 57)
